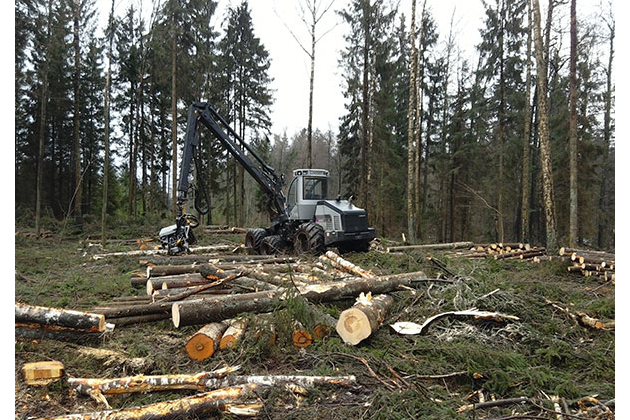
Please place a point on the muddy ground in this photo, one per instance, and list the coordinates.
(543, 354)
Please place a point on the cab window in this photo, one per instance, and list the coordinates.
(315, 188)
(292, 195)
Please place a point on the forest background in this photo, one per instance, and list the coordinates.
(466, 165)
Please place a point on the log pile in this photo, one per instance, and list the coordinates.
(598, 264)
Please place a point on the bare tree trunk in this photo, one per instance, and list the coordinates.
(411, 230)
(501, 122)
(106, 118)
(418, 134)
(365, 111)
(543, 128)
(525, 205)
(573, 146)
(76, 149)
(603, 229)
(309, 131)
(174, 111)
(42, 127)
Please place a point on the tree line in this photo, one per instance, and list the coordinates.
(431, 143)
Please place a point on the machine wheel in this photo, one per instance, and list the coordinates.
(272, 245)
(254, 238)
(309, 239)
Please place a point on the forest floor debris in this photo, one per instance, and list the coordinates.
(547, 352)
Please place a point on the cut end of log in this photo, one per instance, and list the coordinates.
(175, 314)
(353, 326)
(42, 373)
(302, 338)
(200, 347)
(227, 342)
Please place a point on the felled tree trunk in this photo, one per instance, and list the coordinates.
(366, 316)
(56, 317)
(173, 282)
(213, 402)
(218, 309)
(205, 341)
(215, 309)
(141, 383)
(168, 270)
(340, 263)
(451, 245)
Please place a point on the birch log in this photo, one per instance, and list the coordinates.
(340, 263)
(366, 316)
(201, 405)
(44, 316)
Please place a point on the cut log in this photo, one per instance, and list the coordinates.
(451, 245)
(581, 318)
(208, 248)
(221, 308)
(201, 405)
(232, 334)
(174, 282)
(86, 321)
(345, 265)
(168, 270)
(199, 289)
(141, 383)
(42, 373)
(37, 332)
(167, 294)
(205, 341)
(366, 316)
(141, 319)
(224, 307)
(532, 253)
(301, 337)
(275, 380)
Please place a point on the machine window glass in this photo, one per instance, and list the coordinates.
(292, 195)
(315, 188)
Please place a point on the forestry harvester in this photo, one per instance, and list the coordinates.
(305, 221)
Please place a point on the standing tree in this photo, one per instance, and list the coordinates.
(110, 39)
(525, 183)
(315, 14)
(411, 127)
(573, 152)
(543, 129)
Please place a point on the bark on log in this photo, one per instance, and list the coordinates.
(252, 284)
(221, 308)
(36, 332)
(581, 318)
(232, 334)
(31, 314)
(205, 341)
(201, 405)
(275, 380)
(173, 282)
(141, 383)
(532, 253)
(199, 289)
(208, 248)
(451, 245)
(142, 319)
(366, 316)
(163, 295)
(167, 270)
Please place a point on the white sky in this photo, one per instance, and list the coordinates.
(290, 65)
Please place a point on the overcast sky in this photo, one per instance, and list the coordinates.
(290, 65)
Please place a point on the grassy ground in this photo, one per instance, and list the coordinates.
(543, 353)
